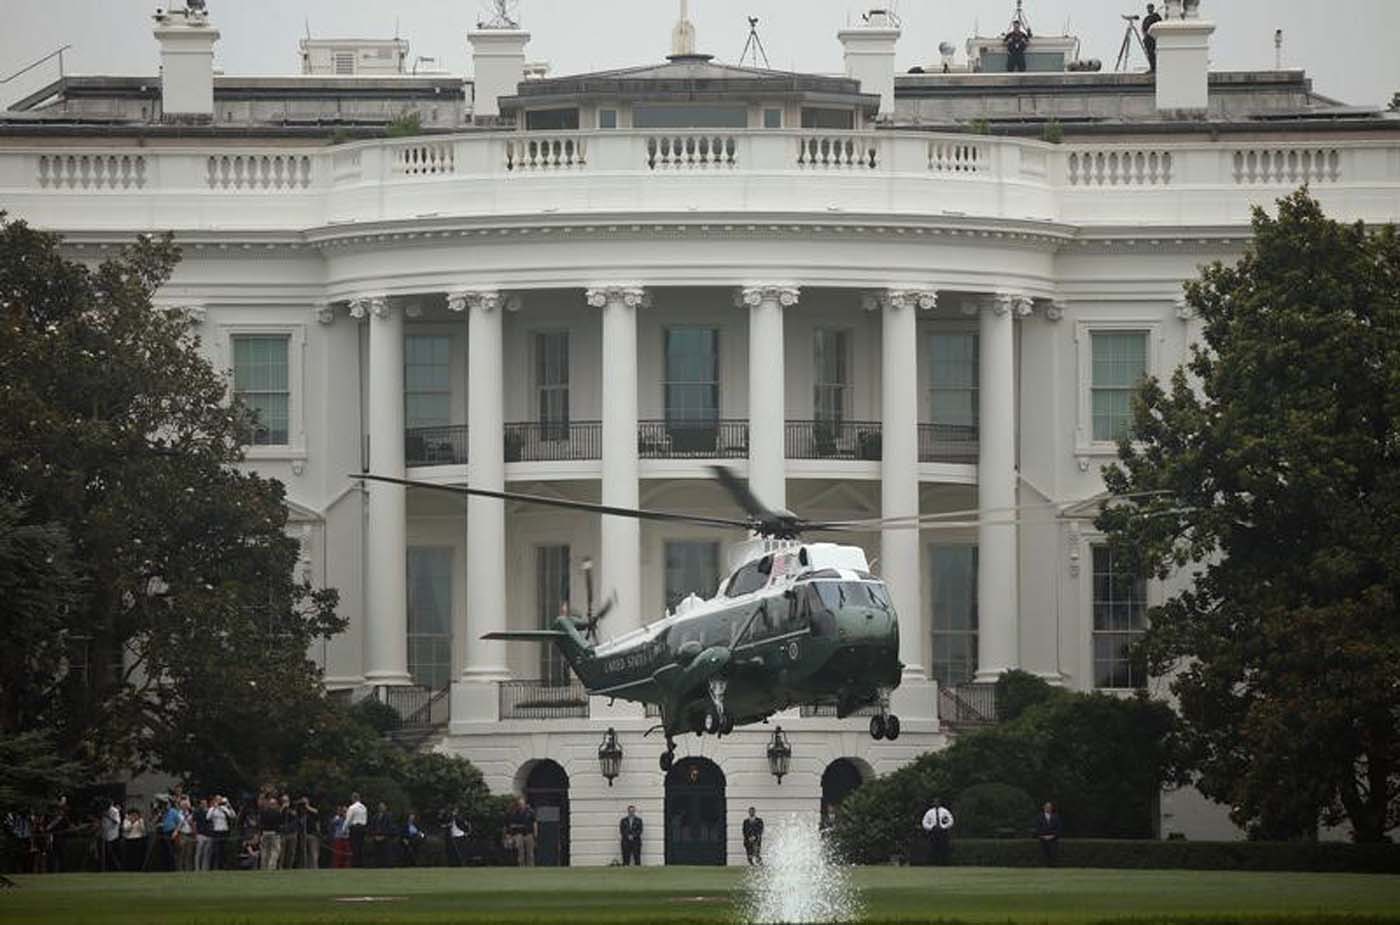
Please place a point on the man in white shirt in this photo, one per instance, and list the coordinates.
(938, 824)
(356, 820)
(111, 832)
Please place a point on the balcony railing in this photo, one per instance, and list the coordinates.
(435, 446)
(419, 707)
(693, 439)
(542, 700)
(556, 442)
(811, 710)
(833, 440)
(968, 705)
(948, 443)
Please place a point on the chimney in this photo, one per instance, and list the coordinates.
(1183, 59)
(870, 56)
(186, 40)
(498, 66)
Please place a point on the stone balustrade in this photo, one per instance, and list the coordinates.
(892, 176)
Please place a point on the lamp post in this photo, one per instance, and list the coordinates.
(779, 755)
(610, 756)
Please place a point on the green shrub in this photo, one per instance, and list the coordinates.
(376, 714)
(405, 125)
(1052, 131)
(1018, 691)
(994, 811)
(1326, 857)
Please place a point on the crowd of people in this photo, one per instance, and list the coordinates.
(268, 831)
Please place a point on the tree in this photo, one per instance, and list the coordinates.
(117, 431)
(1276, 455)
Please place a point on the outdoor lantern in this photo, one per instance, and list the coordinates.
(779, 754)
(610, 756)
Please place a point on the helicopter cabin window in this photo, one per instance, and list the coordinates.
(835, 119)
(551, 120)
(750, 578)
(691, 568)
(698, 116)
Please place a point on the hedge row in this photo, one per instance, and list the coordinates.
(1325, 857)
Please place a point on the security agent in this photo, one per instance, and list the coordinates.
(753, 837)
(1016, 42)
(630, 828)
(1149, 42)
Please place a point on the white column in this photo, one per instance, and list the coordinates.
(620, 538)
(998, 609)
(899, 469)
(386, 535)
(486, 521)
(767, 401)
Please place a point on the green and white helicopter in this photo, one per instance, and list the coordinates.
(796, 623)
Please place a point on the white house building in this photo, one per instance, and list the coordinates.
(870, 294)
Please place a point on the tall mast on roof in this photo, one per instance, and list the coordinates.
(683, 36)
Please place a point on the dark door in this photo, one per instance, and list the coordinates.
(841, 779)
(547, 790)
(695, 814)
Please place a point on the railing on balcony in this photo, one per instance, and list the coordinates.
(968, 705)
(542, 700)
(418, 707)
(811, 710)
(554, 442)
(948, 443)
(435, 446)
(834, 440)
(693, 439)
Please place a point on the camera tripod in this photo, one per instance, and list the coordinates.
(1125, 51)
(754, 44)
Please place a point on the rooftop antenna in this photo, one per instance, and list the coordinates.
(1278, 49)
(754, 46)
(683, 36)
(1021, 15)
(308, 28)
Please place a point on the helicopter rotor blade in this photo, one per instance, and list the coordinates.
(741, 493)
(586, 506)
(588, 584)
(603, 611)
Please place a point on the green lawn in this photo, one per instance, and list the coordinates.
(657, 895)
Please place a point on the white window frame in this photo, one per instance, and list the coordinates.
(295, 448)
(1155, 595)
(536, 386)
(957, 540)
(848, 388)
(1084, 443)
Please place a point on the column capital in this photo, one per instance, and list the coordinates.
(485, 300)
(753, 296)
(370, 305)
(1185, 310)
(899, 299)
(324, 312)
(1001, 304)
(194, 311)
(1056, 309)
(631, 296)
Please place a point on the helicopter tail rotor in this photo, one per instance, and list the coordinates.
(592, 618)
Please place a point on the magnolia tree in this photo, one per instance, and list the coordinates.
(179, 636)
(1274, 456)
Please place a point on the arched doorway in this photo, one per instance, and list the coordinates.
(547, 790)
(841, 777)
(695, 814)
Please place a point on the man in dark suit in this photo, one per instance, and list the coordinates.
(1016, 42)
(1047, 831)
(630, 828)
(1149, 41)
(753, 837)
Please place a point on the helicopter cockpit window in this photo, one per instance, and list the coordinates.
(748, 579)
(838, 594)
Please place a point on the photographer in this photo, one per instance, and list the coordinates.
(1016, 42)
(308, 841)
(1149, 41)
(455, 830)
(220, 818)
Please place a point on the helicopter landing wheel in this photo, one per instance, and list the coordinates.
(891, 727)
(726, 725)
(877, 727)
(713, 722)
(668, 758)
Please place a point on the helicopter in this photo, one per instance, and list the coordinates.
(795, 623)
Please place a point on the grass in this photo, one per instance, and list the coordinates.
(664, 895)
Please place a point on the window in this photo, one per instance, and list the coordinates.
(430, 616)
(750, 577)
(551, 120)
(691, 568)
(345, 62)
(833, 376)
(954, 614)
(953, 392)
(1120, 619)
(698, 116)
(552, 383)
(607, 118)
(838, 119)
(772, 118)
(691, 388)
(1119, 366)
(427, 380)
(260, 379)
(551, 598)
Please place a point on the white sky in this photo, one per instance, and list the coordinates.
(1347, 46)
